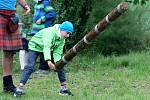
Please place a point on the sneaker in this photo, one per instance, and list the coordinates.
(65, 92)
(9, 89)
(18, 93)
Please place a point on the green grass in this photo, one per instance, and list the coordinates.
(92, 77)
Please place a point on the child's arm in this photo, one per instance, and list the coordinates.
(50, 12)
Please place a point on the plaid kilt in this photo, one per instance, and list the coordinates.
(9, 41)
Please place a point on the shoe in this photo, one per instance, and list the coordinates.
(65, 92)
(9, 89)
(18, 93)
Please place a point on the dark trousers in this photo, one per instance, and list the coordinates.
(43, 64)
(30, 67)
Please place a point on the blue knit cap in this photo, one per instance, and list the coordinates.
(66, 26)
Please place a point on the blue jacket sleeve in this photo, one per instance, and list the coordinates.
(50, 12)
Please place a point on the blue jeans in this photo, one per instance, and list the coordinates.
(30, 67)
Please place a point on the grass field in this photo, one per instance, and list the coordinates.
(92, 77)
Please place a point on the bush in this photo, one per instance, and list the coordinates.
(123, 35)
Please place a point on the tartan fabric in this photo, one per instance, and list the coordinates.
(9, 41)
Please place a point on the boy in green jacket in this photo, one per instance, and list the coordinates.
(47, 40)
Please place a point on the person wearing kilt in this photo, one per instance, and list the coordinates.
(10, 39)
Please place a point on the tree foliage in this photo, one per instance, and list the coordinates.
(122, 36)
(76, 11)
(137, 1)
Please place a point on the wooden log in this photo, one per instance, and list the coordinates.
(113, 15)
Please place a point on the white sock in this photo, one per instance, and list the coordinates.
(23, 58)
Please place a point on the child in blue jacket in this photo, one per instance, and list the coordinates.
(44, 13)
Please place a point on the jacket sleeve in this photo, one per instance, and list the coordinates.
(50, 12)
(58, 51)
(47, 43)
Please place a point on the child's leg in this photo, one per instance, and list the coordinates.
(62, 76)
(61, 73)
(62, 79)
(23, 53)
(29, 68)
(23, 58)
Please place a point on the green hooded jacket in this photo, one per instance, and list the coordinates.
(48, 40)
